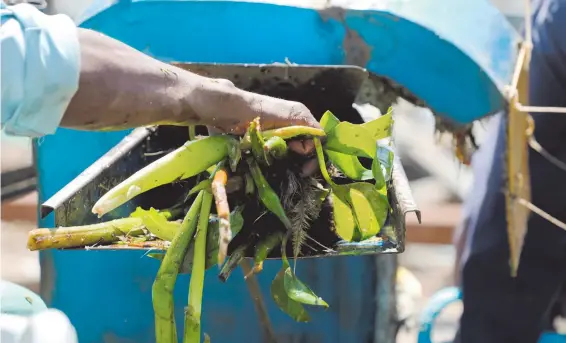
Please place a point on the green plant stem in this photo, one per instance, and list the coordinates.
(162, 291)
(322, 162)
(81, 236)
(192, 132)
(193, 313)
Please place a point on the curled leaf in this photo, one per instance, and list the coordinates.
(291, 307)
(298, 291)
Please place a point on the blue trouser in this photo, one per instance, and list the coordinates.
(497, 307)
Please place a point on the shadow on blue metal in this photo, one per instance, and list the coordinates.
(454, 55)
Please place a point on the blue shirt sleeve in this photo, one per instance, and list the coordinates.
(39, 67)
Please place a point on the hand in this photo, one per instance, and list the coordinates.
(121, 88)
(224, 108)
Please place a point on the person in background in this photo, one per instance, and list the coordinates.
(497, 307)
(55, 74)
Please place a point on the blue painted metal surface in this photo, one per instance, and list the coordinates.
(107, 295)
(443, 298)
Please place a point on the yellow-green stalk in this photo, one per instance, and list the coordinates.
(162, 291)
(193, 313)
(81, 236)
(191, 159)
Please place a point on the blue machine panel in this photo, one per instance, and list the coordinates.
(456, 56)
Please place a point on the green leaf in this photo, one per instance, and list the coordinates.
(350, 166)
(293, 308)
(381, 127)
(360, 210)
(344, 220)
(157, 223)
(351, 139)
(298, 291)
(328, 121)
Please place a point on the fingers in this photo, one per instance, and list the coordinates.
(303, 147)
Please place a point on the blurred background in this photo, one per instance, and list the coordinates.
(439, 183)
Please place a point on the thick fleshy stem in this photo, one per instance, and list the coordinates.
(193, 312)
(162, 291)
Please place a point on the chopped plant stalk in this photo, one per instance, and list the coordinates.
(234, 156)
(192, 132)
(223, 212)
(203, 185)
(87, 235)
(157, 223)
(285, 133)
(250, 189)
(193, 313)
(162, 290)
(233, 261)
(206, 338)
(267, 195)
(276, 147)
(254, 132)
(191, 159)
(293, 131)
(262, 250)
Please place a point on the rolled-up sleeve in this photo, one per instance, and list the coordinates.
(40, 65)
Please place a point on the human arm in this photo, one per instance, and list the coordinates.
(118, 87)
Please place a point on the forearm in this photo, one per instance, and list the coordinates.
(121, 87)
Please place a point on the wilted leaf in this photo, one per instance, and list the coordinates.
(294, 309)
(298, 291)
(157, 223)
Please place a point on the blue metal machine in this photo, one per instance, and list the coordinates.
(454, 55)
